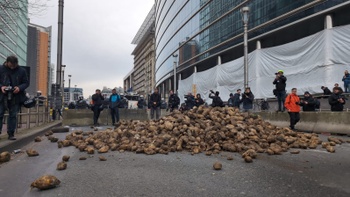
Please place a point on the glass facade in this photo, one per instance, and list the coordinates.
(198, 30)
(13, 29)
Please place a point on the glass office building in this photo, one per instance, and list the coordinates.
(13, 29)
(198, 35)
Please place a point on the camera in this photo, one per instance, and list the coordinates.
(211, 91)
(9, 91)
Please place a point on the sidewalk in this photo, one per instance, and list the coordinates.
(25, 136)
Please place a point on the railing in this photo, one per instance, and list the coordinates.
(31, 117)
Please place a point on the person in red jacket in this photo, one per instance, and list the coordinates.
(292, 105)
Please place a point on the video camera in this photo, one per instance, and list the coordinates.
(9, 92)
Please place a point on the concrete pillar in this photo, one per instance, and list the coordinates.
(328, 22)
(219, 60)
(258, 44)
(170, 84)
(195, 69)
(163, 90)
(179, 76)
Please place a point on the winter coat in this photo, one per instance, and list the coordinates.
(114, 100)
(311, 103)
(230, 101)
(280, 83)
(190, 102)
(247, 100)
(335, 104)
(154, 101)
(173, 101)
(346, 79)
(292, 103)
(236, 100)
(326, 91)
(217, 102)
(14, 77)
(97, 99)
(199, 102)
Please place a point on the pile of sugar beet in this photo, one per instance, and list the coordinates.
(201, 130)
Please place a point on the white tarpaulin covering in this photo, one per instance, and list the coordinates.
(308, 63)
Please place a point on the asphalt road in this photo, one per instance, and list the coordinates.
(310, 173)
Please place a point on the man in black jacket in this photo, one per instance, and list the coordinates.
(154, 103)
(217, 102)
(308, 102)
(97, 106)
(173, 101)
(13, 82)
(280, 82)
(337, 100)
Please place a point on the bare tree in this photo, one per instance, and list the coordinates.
(35, 7)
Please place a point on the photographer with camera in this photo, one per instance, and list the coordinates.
(97, 105)
(280, 91)
(337, 100)
(217, 102)
(173, 101)
(308, 102)
(292, 105)
(154, 104)
(13, 82)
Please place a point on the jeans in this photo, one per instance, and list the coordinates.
(97, 112)
(157, 110)
(346, 88)
(12, 118)
(294, 118)
(281, 97)
(115, 114)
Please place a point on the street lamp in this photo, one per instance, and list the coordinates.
(175, 65)
(62, 84)
(245, 18)
(69, 76)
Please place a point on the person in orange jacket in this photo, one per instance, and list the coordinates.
(292, 104)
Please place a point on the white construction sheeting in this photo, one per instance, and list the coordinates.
(308, 63)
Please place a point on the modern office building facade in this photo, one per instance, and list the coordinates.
(198, 35)
(39, 59)
(144, 57)
(13, 29)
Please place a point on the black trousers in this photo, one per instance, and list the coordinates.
(97, 112)
(115, 114)
(294, 118)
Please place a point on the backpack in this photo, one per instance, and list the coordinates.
(317, 104)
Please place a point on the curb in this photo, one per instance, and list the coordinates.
(27, 137)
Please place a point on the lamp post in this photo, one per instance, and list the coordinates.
(175, 66)
(245, 18)
(69, 76)
(63, 67)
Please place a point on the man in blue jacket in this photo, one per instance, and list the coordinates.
(13, 82)
(346, 79)
(113, 105)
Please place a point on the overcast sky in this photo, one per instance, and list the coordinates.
(97, 39)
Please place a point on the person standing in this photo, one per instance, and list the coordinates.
(292, 105)
(230, 100)
(308, 102)
(154, 104)
(141, 103)
(280, 82)
(236, 99)
(247, 100)
(97, 107)
(337, 100)
(13, 82)
(114, 101)
(346, 79)
(173, 101)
